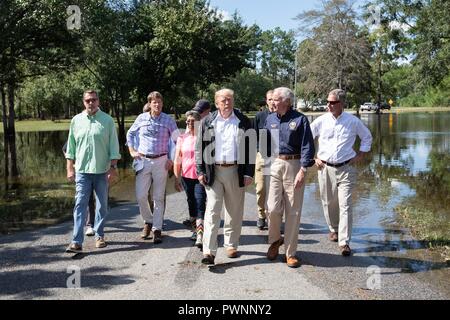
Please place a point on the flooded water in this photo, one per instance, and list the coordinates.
(409, 163)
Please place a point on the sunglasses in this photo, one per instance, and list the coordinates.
(333, 102)
(90, 100)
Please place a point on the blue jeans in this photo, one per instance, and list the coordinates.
(196, 197)
(84, 184)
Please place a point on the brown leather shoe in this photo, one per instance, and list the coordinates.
(100, 242)
(272, 253)
(208, 259)
(146, 231)
(157, 237)
(333, 236)
(345, 250)
(292, 262)
(232, 253)
(74, 248)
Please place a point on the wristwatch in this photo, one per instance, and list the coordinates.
(114, 166)
(304, 169)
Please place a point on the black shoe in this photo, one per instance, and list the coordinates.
(208, 259)
(157, 238)
(261, 223)
(345, 250)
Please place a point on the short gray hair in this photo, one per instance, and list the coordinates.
(339, 94)
(286, 94)
(193, 114)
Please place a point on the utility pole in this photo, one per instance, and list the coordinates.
(295, 78)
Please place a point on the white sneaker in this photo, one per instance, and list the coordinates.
(90, 232)
(199, 240)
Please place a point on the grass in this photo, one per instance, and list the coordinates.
(433, 228)
(40, 125)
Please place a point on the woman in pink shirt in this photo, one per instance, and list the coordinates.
(186, 177)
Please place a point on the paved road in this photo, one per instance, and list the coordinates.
(33, 265)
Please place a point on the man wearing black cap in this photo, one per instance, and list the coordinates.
(202, 107)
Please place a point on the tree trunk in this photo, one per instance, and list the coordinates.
(120, 115)
(11, 134)
(5, 130)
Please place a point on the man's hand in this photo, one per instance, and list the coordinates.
(247, 181)
(136, 155)
(299, 179)
(71, 174)
(319, 163)
(112, 175)
(169, 164)
(178, 185)
(202, 180)
(70, 170)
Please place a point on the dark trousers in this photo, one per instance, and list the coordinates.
(90, 221)
(196, 197)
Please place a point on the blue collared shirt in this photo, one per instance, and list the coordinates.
(151, 135)
(294, 135)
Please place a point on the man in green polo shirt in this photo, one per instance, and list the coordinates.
(92, 155)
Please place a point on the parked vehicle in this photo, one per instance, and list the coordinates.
(319, 107)
(367, 106)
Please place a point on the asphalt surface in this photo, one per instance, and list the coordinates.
(34, 265)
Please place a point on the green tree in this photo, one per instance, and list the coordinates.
(339, 52)
(277, 49)
(34, 40)
(250, 89)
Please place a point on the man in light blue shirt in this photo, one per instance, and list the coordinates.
(92, 155)
(148, 141)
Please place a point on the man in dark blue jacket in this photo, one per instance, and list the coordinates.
(293, 145)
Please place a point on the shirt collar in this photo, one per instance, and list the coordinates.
(287, 114)
(94, 115)
(155, 118)
(341, 116)
(219, 117)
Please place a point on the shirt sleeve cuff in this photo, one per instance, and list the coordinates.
(364, 149)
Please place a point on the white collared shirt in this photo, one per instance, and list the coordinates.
(226, 132)
(337, 136)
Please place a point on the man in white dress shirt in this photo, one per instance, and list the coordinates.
(337, 131)
(223, 158)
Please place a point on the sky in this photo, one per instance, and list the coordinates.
(268, 14)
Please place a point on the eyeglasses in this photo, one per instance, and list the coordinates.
(90, 100)
(333, 102)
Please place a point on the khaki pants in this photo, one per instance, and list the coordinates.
(224, 191)
(336, 186)
(154, 170)
(283, 198)
(262, 186)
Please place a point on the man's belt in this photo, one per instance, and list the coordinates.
(226, 164)
(154, 156)
(288, 156)
(336, 165)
